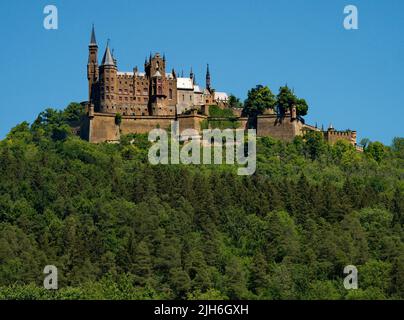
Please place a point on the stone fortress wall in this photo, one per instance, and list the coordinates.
(102, 127)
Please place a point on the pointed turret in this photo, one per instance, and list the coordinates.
(92, 66)
(93, 40)
(108, 60)
(208, 83)
(108, 83)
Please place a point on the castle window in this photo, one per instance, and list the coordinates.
(190, 98)
(183, 97)
(170, 94)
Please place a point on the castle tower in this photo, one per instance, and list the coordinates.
(158, 74)
(208, 83)
(92, 67)
(108, 82)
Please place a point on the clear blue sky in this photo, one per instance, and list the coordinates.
(353, 79)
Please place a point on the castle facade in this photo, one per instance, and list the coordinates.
(153, 92)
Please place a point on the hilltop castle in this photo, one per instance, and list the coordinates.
(137, 102)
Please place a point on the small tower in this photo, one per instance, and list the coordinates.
(108, 81)
(208, 82)
(92, 67)
(157, 72)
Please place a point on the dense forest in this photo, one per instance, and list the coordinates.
(119, 228)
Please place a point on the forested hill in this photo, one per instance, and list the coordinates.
(119, 228)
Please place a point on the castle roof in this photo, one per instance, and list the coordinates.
(222, 96)
(198, 89)
(185, 83)
(125, 73)
(107, 60)
(93, 40)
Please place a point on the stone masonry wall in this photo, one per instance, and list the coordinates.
(284, 129)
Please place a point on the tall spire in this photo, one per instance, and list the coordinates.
(208, 83)
(107, 60)
(93, 40)
(191, 74)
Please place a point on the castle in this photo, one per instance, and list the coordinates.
(137, 102)
(153, 92)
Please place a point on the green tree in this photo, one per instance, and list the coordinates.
(376, 150)
(234, 102)
(258, 100)
(286, 99)
(142, 263)
(314, 145)
(235, 280)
